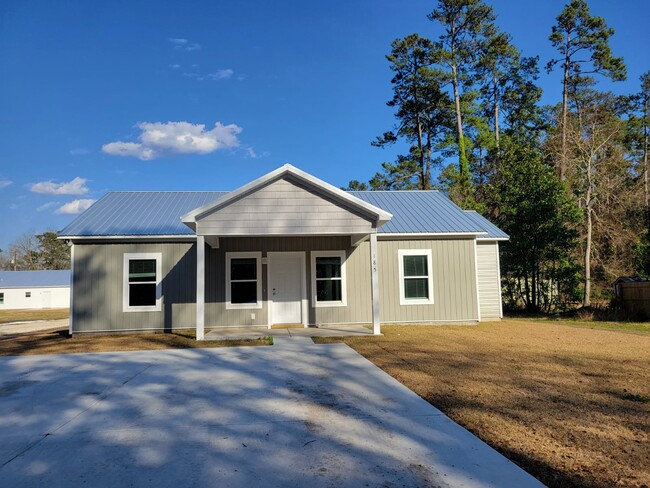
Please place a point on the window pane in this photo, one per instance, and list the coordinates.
(243, 292)
(328, 291)
(243, 269)
(142, 295)
(415, 266)
(416, 288)
(2, 298)
(142, 270)
(329, 267)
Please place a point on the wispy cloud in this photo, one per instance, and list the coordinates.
(174, 66)
(75, 206)
(167, 138)
(184, 44)
(74, 187)
(78, 151)
(222, 74)
(4, 183)
(46, 206)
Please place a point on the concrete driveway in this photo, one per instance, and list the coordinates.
(293, 414)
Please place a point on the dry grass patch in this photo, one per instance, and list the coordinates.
(570, 405)
(29, 315)
(58, 342)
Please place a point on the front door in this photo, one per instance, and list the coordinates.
(286, 285)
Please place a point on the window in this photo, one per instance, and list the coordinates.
(142, 288)
(28, 294)
(416, 283)
(328, 278)
(243, 280)
(2, 298)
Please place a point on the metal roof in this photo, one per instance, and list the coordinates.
(493, 232)
(134, 213)
(427, 211)
(34, 279)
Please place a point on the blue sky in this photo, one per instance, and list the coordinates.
(93, 94)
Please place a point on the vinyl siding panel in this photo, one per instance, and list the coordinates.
(454, 282)
(98, 282)
(488, 280)
(282, 208)
(357, 271)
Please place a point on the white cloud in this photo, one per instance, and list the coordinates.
(164, 138)
(5, 183)
(74, 187)
(75, 206)
(222, 74)
(176, 41)
(45, 206)
(250, 153)
(184, 44)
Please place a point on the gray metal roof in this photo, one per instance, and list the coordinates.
(134, 213)
(34, 279)
(493, 232)
(428, 212)
(139, 213)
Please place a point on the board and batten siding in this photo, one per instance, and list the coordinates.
(489, 285)
(358, 309)
(282, 208)
(454, 282)
(98, 287)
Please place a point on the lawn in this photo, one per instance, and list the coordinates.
(57, 342)
(569, 404)
(29, 315)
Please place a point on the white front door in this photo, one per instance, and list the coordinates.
(286, 285)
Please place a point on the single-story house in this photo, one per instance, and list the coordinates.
(34, 289)
(286, 248)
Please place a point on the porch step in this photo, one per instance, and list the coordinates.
(287, 326)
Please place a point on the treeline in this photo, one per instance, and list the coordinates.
(35, 252)
(568, 183)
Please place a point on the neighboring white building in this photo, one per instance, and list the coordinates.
(34, 289)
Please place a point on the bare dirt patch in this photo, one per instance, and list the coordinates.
(58, 342)
(571, 405)
(29, 315)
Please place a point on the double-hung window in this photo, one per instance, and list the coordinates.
(328, 278)
(2, 298)
(243, 280)
(141, 286)
(415, 278)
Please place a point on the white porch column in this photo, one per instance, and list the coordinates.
(200, 288)
(374, 290)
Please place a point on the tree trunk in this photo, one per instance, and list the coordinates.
(496, 111)
(462, 160)
(645, 152)
(587, 297)
(565, 111)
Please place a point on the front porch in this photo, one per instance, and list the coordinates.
(242, 333)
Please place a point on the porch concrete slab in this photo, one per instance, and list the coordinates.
(289, 415)
(240, 333)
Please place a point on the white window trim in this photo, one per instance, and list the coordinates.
(414, 252)
(344, 295)
(246, 306)
(125, 281)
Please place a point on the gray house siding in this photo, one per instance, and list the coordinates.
(357, 269)
(98, 287)
(282, 208)
(488, 280)
(454, 282)
(98, 283)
